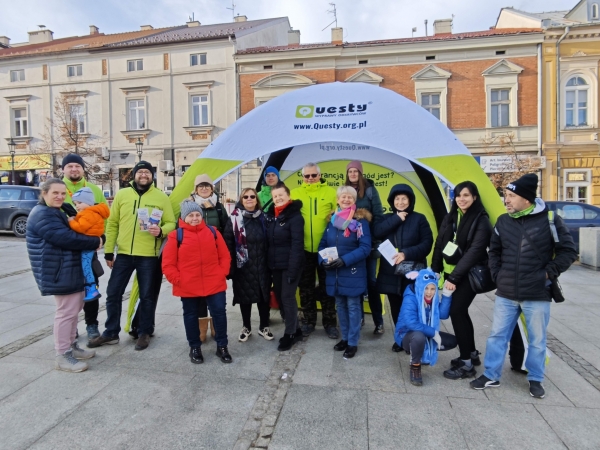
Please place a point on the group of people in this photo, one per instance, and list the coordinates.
(277, 241)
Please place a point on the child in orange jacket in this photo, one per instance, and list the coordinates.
(89, 221)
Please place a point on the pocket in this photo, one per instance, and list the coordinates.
(57, 276)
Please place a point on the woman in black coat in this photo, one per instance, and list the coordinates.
(285, 231)
(246, 237)
(410, 233)
(55, 255)
(467, 225)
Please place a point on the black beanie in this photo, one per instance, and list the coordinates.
(72, 158)
(525, 187)
(143, 165)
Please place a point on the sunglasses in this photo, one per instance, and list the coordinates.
(246, 197)
(311, 175)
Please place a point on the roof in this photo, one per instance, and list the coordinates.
(435, 38)
(554, 15)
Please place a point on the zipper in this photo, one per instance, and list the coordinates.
(135, 223)
(336, 270)
(311, 228)
(518, 260)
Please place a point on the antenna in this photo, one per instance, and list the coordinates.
(426, 27)
(414, 30)
(232, 9)
(334, 12)
(42, 27)
(191, 18)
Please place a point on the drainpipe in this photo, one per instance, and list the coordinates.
(539, 111)
(567, 29)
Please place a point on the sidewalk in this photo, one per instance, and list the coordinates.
(307, 398)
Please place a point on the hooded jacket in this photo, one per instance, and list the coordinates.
(413, 237)
(351, 279)
(286, 244)
(90, 221)
(266, 200)
(74, 187)
(516, 268)
(122, 227)
(372, 203)
(318, 201)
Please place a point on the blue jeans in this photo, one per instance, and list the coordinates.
(506, 314)
(349, 316)
(216, 306)
(86, 264)
(147, 269)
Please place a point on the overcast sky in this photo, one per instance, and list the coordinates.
(361, 19)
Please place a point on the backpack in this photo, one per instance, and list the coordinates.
(180, 234)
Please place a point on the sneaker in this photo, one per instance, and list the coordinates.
(244, 334)
(415, 375)
(474, 359)
(483, 382)
(332, 332)
(67, 363)
(134, 334)
(379, 329)
(92, 331)
(350, 351)
(223, 353)
(286, 342)
(101, 340)
(266, 333)
(79, 353)
(142, 342)
(536, 389)
(307, 328)
(460, 371)
(196, 355)
(396, 348)
(91, 293)
(342, 345)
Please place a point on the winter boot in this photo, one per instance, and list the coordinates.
(203, 322)
(212, 328)
(91, 293)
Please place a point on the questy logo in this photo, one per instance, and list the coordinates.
(305, 111)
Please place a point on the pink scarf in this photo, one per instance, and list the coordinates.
(343, 220)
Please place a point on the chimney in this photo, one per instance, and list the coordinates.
(94, 29)
(41, 35)
(442, 26)
(337, 35)
(4, 41)
(146, 27)
(294, 37)
(239, 18)
(193, 23)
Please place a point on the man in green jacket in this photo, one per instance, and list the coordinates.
(73, 168)
(318, 201)
(270, 179)
(141, 216)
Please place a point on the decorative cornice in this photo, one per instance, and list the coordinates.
(283, 80)
(18, 98)
(128, 90)
(364, 76)
(502, 67)
(198, 84)
(82, 93)
(431, 72)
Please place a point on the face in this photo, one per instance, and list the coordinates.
(249, 200)
(55, 196)
(465, 199)
(514, 203)
(429, 291)
(311, 175)
(280, 197)
(401, 202)
(143, 177)
(204, 190)
(194, 218)
(346, 201)
(80, 206)
(73, 172)
(271, 179)
(353, 175)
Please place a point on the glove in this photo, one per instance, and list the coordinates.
(109, 256)
(69, 209)
(438, 340)
(336, 263)
(103, 237)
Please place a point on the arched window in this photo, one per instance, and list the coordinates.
(594, 10)
(576, 104)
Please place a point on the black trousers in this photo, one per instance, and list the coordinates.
(309, 294)
(461, 321)
(414, 343)
(396, 299)
(264, 310)
(286, 297)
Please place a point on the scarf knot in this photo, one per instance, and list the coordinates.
(239, 233)
(343, 219)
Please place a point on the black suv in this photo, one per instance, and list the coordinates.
(16, 202)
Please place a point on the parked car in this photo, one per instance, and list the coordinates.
(576, 216)
(16, 202)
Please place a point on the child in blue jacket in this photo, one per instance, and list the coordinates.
(418, 326)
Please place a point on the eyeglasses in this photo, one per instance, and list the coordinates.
(144, 172)
(246, 197)
(311, 175)
(204, 186)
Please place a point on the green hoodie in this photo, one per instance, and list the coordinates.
(122, 228)
(318, 201)
(266, 200)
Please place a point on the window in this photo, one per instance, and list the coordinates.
(17, 75)
(199, 110)
(595, 11)
(589, 214)
(30, 195)
(10, 194)
(198, 59)
(576, 103)
(77, 113)
(363, 61)
(298, 65)
(431, 102)
(137, 115)
(20, 122)
(74, 71)
(500, 102)
(134, 65)
(500, 52)
(429, 58)
(268, 67)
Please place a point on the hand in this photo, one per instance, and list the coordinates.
(399, 258)
(70, 219)
(154, 230)
(449, 286)
(110, 264)
(438, 339)
(336, 263)
(110, 259)
(402, 215)
(101, 243)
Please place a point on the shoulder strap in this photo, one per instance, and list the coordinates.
(179, 237)
(553, 226)
(528, 239)
(212, 230)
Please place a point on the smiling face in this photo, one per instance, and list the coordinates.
(353, 175)
(311, 175)
(55, 197)
(465, 199)
(271, 179)
(429, 291)
(346, 200)
(249, 201)
(401, 202)
(194, 218)
(280, 196)
(204, 190)
(143, 178)
(514, 203)
(73, 172)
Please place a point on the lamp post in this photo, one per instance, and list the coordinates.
(138, 146)
(11, 150)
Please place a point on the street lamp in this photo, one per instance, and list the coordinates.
(11, 150)
(138, 146)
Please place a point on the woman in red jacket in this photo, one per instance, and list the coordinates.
(196, 261)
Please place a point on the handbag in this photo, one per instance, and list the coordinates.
(97, 268)
(407, 266)
(480, 279)
(273, 303)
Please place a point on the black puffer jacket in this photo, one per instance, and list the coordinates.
(252, 281)
(55, 251)
(412, 236)
(519, 272)
(286, 240)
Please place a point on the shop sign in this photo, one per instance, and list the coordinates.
(506, 163)
(577, 176)
(26, 162)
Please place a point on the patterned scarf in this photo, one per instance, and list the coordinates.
(239, 233)
(343, 220)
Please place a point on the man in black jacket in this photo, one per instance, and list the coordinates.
(528, 251)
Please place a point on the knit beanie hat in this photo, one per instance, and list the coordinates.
(72, 158)
(271, 169)
(84, 195)
(204, 178)
(143, 165)
(525, 187)
(354, 165)
(187, 206)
